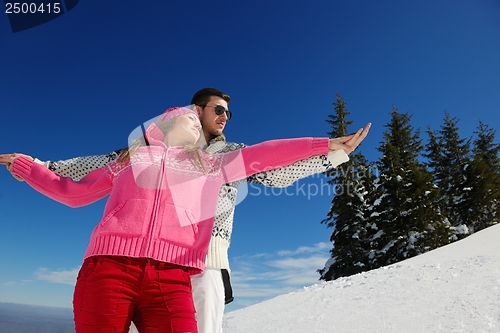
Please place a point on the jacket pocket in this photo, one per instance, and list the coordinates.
(178, 226)
(127, 218)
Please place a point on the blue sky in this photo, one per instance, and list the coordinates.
(79, 84)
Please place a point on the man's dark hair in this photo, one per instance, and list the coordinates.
(202, 96)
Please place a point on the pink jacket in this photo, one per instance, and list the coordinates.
(161, 205)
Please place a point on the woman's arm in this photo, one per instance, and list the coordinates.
(96, 185)
(74, 168)
(287, 175)
(270, 155)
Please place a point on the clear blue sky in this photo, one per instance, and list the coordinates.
(79, 84)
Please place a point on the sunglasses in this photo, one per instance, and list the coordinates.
(219, 109)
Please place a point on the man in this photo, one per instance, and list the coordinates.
(212, 289)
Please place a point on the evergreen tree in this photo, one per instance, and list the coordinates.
(449, 157)
(481, 206)
(347, 216)
(347, 213)
(338, 121)
(406, 214)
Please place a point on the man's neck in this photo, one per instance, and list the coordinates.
(208, 137)
(215, 138)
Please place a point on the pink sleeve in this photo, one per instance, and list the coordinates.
(269, 155)
(91, 188)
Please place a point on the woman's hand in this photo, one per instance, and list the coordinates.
(351, 142)
(8, 159)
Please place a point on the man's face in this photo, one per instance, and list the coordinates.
(213, 124)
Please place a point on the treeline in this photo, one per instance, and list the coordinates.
(415, 198)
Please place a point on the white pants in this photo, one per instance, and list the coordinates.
(208, 295)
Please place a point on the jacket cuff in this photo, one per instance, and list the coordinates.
(320, 146)
(22, 166)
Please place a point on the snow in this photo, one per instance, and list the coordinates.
(455, 288)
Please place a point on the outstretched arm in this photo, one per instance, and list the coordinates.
(91, 188)
(240, 164)
(75, 168)
(287, 175)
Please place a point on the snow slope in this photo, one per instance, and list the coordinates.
(455, 288)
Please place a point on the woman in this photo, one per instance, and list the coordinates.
(158, 219)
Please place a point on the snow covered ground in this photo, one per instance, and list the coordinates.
(455, 288)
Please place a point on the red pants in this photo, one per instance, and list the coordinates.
(111, 291)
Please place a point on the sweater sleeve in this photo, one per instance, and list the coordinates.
(270, 155)
(76, 168)
(287, 175)
(96, 185)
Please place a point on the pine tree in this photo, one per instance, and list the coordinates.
(347, 213)
(449, 157)
(338, 121)
(407, 214)
(347, 216)
(481, 206)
